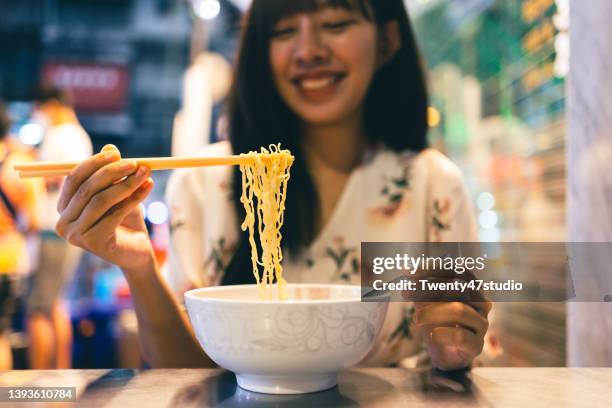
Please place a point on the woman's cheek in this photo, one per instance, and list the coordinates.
(278, 59)
(359, 54)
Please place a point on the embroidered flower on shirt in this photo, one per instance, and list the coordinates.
(403, 330)
(176, 220)
(175, 225)
(220, 256)
(225, 185)
(345, 259)
(440, 221)
(394, 191)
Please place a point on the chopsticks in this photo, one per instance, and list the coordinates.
(55, 169)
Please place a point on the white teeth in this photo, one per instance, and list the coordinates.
(312, 84)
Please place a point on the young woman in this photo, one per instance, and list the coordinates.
(339, 83)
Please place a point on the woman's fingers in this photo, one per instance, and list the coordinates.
(451, 315)
(455, 347)
(454, 332)
(104, 201)
(101, 180)
(115, 216)
(456, 337)
(484, 308)
(82, 172)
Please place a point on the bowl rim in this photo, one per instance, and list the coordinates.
(192, 294)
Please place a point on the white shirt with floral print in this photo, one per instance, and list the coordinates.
(390, 197)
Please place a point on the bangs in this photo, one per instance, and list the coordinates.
(278, 9)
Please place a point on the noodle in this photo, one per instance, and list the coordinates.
(265, 178)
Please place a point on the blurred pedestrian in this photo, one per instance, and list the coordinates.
(19, 215)
(49, 323)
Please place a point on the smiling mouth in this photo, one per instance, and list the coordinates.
(320, 83)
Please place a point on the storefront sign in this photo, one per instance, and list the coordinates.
(92, 87)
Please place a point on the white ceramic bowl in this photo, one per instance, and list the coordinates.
(285, 347)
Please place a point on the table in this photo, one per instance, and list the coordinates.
(367, 387)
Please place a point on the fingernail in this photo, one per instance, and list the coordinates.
(142, 170)
(110, 147)
(111, 155)
(128, 164)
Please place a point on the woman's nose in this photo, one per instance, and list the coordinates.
(309, 47)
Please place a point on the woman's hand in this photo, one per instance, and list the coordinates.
(100, 212)
(453, 331)
(99, 209)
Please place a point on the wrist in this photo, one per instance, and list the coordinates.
(146, 268)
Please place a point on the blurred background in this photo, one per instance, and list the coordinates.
(143, 74)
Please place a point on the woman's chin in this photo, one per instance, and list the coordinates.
(323, 116)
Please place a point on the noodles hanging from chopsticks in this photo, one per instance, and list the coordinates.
(265, 178)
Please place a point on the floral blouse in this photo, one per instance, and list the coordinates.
(390, 197)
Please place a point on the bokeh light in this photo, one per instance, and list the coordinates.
(488, 219)
(157, 213)
(207, 9)
(31, 134)
(433, 117)
(485, 201)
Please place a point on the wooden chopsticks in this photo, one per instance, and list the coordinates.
(55, 169)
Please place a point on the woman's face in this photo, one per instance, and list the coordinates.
(323, 63)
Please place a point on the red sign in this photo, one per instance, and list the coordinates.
(91, 86)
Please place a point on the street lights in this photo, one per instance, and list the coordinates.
(206, 9)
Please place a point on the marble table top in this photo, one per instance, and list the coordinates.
(368, 387)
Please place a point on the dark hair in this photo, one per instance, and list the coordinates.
(5, 122)
(395, 111)
(48, 93)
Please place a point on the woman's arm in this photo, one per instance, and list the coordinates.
(165, 333)
(185, 258)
